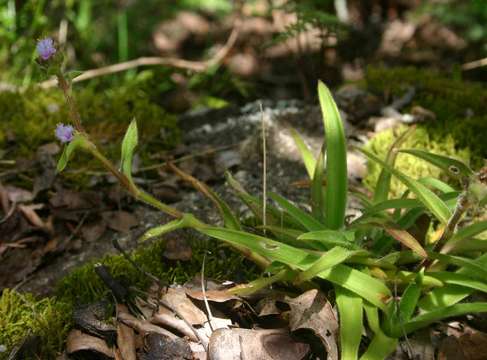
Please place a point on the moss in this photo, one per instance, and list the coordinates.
(458, 130)
(31, 116)
(410, 165)
(459, 105)
(50, 318)
(23, 314)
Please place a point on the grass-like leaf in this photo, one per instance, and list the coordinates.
(429, 199)
(336, 160)
(317, 189)
(351, 322)
(129, 143)
(226, 213)
(331, 258)
(308, 221)
(331, 238)
(371, 289)
(308, 158)
(383, 185)
(452, 166)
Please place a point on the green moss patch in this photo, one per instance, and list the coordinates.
(458, 130)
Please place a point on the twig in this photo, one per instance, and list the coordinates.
(474, 64)
(196, 66)
(264, 171)
(203, 290)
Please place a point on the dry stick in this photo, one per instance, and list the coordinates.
(203, 290)
(474, 64)
(196, 66)
(264, 171)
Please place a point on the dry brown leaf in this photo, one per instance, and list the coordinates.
(176, 297)
(120, 221)
(219, 296)
(125, 338)
(161, 347)
(94, 231)
(142, 326)
(237, 344)
(165, 317)
(78, 341)
(312, 310)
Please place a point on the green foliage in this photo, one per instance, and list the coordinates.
(466, 17)
(23, 314)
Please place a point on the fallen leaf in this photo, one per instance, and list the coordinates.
(311, 310)
(467, 347)
(273, 344)
(142, 326)
(120, 221)
(94, 231)
(176, 297)
(18, 195)
(78, 341)
(29, 212)
(125, 338)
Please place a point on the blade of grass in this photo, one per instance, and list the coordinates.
(332, 257)
(308, 221)
(317, 189)
(383, 185)
(351, 322)
(429, 199)
(336, 160)
(371, 289)
(443, 162)
(308, 158)
(226, 213)
(329, 238)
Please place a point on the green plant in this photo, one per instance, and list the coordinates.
(374, 263)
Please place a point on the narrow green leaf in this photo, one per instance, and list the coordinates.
(459, 279)
(452, 294)
(465, 235)
(351, 322)
(331, 238)
(443, 162)
(476, 270)
(77, 142)
(163, 229)
(317, 189)
(371, 289)
(332, 257)
(437, 184)
(430, 200)
(229, 219)
(336, 160)
(308, 221)
(430, 317)
(129, 143)
(380, 347)
(383, 185)
(308, 158)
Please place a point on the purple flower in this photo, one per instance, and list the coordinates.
(64, 133)
(45, 48)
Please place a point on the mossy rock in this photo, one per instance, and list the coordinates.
(50, 318)
(458, 130)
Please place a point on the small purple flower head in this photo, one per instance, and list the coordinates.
(45, 48)
(64, 133)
